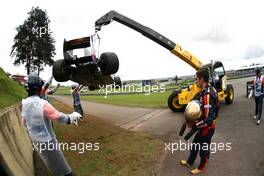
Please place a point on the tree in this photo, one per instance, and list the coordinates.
(33, 43)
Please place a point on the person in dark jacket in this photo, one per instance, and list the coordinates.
(208, 100)
(46, 90)
(77, 106)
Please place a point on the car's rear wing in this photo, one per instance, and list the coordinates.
(76, 44)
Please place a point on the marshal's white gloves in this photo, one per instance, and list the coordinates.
(251, 94)
(74, 117)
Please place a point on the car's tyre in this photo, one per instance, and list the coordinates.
(59, 71)
(92, 88)
(230, 94)
(173, 103)
(117, 81)
(109, 63)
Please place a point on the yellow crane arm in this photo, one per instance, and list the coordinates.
(151, 34)
(187, 57)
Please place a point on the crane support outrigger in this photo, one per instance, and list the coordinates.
(179, 98)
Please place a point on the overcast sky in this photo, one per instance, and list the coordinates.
(229, 31)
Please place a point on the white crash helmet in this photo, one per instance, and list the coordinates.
(192, 111)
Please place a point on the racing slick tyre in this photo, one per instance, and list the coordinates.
(117, 81)
(59, 71)
(109, 63)
(92, 88)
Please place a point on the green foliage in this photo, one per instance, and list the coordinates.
(10, 91)
(33, 43)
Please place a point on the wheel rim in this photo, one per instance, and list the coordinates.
(175, 102)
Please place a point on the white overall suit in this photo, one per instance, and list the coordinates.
(37, 115)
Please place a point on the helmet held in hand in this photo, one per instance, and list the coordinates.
(192, 111)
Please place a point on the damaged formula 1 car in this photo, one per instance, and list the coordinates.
(88, 70)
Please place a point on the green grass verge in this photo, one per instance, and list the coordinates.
(121, 152)
(153, 100)
(63, 90)
(10, 91)
(66, 90)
